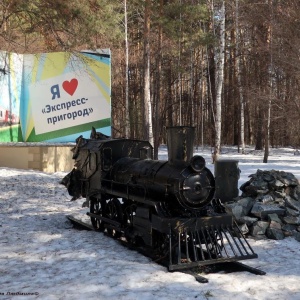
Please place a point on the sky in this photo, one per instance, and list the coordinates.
(43, 257)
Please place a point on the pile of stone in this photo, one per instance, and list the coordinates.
(269, 206)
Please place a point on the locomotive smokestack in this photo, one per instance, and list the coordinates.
(180, 142)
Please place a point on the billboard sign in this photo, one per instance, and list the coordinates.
(64, 95)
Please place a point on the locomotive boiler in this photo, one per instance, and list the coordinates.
(164, 208)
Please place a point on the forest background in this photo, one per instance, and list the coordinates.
(231, 68)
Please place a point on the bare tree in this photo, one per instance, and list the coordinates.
(268, 120)
(239, 79)
(220, 61)
(147, 95)
(157, 119)
(127, 116)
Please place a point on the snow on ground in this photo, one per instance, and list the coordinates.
(43, 257)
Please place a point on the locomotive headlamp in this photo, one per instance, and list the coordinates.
(197, 163)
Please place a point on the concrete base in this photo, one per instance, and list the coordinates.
(48, 158)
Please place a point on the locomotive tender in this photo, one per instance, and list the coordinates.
(166, 209)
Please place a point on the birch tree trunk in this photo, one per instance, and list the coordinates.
(239, 79)
(127, 116)
(148, 134)
(268, 121)
(158, 123)
(220, 61)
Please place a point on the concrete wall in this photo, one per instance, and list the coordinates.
(46, 158)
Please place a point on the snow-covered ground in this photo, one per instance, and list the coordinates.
(43, 257)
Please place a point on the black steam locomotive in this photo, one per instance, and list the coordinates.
(166, 208)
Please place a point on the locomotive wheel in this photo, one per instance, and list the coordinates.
(113, 211)
(161, 248)
(216, 244)
(129, 212)
(161, 245)
(96, 208)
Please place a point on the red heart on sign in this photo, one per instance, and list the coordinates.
(70, 86)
